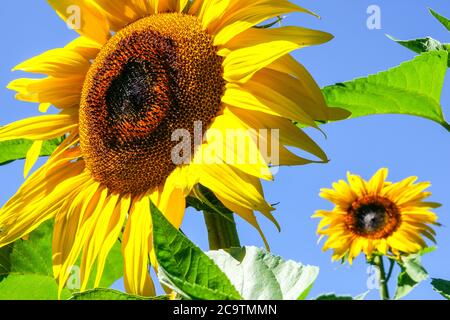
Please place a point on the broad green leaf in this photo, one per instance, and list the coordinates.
(183, 267)
(422, 45)
(28, 267)
(34, 256)
(405, 284)
(442, 286)
(12, 150)
(333, 296)
(413, 88)
(412, 273)
(30, 287)
(445, 22)
(260, 275)
(5, 261)
(110, 294)
(413, 266)
(28, 259)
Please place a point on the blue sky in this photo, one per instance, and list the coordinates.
(406, 145)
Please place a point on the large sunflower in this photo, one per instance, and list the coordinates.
(376, 217)
(140, 70)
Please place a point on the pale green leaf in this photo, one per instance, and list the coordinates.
(422, 45)
(412, 273)
(260, 275)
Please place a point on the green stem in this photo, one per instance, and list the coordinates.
(391, 268)
(222, 232)
(384, 291)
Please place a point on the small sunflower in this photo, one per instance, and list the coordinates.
(140, 70)
(376, 217)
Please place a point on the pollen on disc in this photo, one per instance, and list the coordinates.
(157, 75)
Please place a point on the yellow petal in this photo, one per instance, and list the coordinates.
(173, 200)
(65, 229)
(240, 65)
(39, 128)
(113, 232)
(259, 97)
(96, 238)
(57, 62)
(254, 36)
(84, 215)
(135, 249)
(240, 188)
(211, 11)
(289, 135)
(294, 89)
(84, 46)
(61, 92)
(244, 14)
(172, 5)
(377, 182)
(358, 184)
(32, 156)
(38, 200)
(122, 13)
(85, 17)
(230, 141)
(245, 214)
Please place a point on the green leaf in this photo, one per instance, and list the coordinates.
(12, 150)
(28, 268)
(25, 261)
(260, 275)
(30, 287)
(110, 294)
(413, 88)
(34, 256)
(445, 22)
(441, 286)
(113, 270)
(183, 267)
(405, 284)
(414, 268)
(422, 45)
(333, 296)
(412, 273)
(5, 261)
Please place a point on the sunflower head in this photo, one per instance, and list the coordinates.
(157, 75)
(376, 217)
(140, 72)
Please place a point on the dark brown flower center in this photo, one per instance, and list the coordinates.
(373, 217)
(157, 75)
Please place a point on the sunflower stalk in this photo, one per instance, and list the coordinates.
(222, 233)
(384, 290)
(391, 269)
(219, 220)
